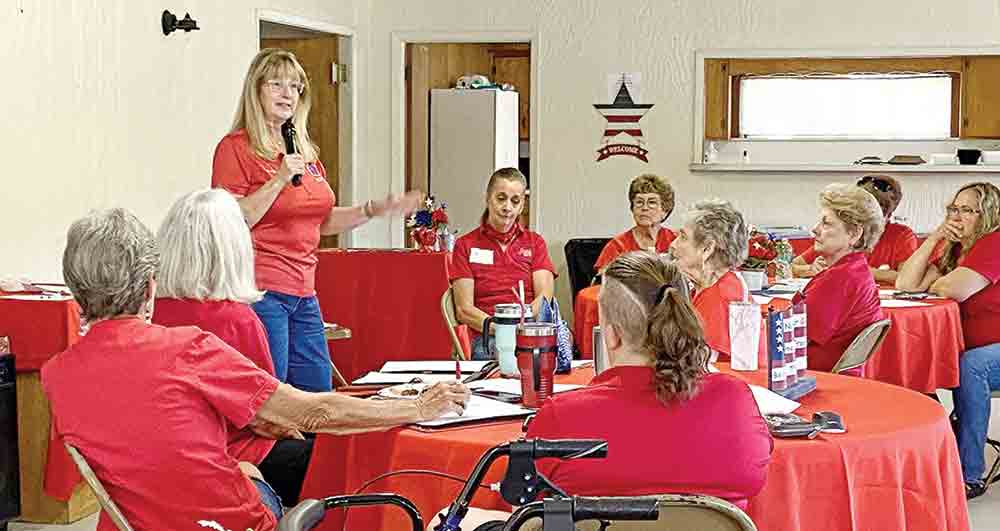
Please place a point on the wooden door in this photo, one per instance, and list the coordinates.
(981, 99)
(514, 67)
(317, 56)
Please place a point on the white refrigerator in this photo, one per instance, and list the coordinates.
(472, 134)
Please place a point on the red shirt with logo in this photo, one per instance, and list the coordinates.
(716, 443)
(840, 301)
(626, 243)
(495, 270)
(150, 408)
(895, 246)
(981, 311)
(238, 326)
(712, 305)
(286, 238)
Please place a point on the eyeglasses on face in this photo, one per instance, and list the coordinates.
(878, 182)
(640, 203)
(953, 210)
(277, 87)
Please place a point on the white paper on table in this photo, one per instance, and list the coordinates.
(762, 300)
(575, 364)
(42, 297)
(513, 386)
(896, 303)
(433, 366)
(794, 284)
(889, 293)
(373, 378)
(479, 408)
(771, 403)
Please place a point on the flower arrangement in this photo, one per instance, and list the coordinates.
(761, 251)
(427, 223)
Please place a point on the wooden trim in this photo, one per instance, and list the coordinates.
(805, 65)
(956, 102)
(734, 106)
(717, 99)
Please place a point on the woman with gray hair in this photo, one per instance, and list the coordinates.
(709, 248)
(176, 391)
(843, 298)
(206, 279)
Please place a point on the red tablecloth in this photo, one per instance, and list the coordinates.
(39, 328)
(897, 466)
(920, 352)
(390, 299)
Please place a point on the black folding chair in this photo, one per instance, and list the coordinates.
(581, 255)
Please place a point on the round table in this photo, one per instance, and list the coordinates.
(897, 467)
(920, 351)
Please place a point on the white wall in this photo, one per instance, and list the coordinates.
(580, 42)
(101, 110)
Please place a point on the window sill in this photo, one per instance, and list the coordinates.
(845, 168)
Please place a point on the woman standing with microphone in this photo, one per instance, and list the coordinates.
(288, 205)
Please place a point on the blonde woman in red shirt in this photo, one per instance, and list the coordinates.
(287, 219)
(961, 260)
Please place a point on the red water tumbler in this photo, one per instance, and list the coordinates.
(536, 361)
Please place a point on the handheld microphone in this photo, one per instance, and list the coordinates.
(288, 134)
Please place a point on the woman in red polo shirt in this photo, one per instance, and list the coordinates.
(287, 215)
(671, 426)
(708, 249)
(895, 246)
(490, 260)
(206, 280)
(651, 200)
(842, 299)
(961, 260)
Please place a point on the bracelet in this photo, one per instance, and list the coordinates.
(369, 209)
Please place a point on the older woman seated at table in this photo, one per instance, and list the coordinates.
(651, 200)
(961, 260)
(708, 248)
(206, 279)
(843, 298)
(897, 243)
(490, 261)
(151, 407)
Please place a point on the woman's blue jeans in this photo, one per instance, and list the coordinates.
(979, 377)
(298, 343)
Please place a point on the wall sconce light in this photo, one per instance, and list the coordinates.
(170, 23)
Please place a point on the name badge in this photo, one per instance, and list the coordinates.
(481, 256)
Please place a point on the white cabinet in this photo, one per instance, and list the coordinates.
(473, 133)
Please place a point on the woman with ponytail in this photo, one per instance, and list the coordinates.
(671, 426)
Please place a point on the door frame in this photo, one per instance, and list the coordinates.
(350, 163)
(398, 113)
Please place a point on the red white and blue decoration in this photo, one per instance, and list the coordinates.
(623, 116)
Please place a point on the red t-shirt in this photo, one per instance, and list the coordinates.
(238, 326)
(625, 243)
(895, 246)
(712, 305)
(286, 238)
(716, 443)
(840, 301)
(149, 408)
(495, 270)
(981, 311)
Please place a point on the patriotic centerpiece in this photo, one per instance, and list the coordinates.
(428, 224)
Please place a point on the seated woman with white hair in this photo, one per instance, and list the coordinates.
(842, 299)
(175, 393)
(206, 279)
(709, 248)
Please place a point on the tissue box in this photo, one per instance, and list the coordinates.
(944, 159)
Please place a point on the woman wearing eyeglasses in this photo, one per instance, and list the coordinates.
(286, 219)
(651, 200)
(895, 246)
(961, 260)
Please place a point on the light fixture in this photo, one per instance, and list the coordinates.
(170, 23)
